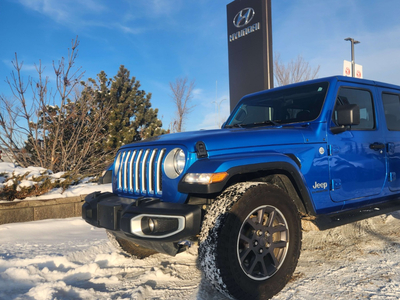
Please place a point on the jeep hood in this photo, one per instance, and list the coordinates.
(230, 138)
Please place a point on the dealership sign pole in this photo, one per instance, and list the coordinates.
(347, 69)
(249, 47)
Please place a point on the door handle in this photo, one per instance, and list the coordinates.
(377, 146)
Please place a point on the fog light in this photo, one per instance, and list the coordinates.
(151, 224)
(156, 226)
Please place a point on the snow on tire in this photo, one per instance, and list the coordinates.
(250, 241)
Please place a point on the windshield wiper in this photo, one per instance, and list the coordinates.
(268, 122)
(237, 125)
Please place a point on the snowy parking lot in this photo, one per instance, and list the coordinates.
(69, 259)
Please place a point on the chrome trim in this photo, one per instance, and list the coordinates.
(137, 162)
(139, 171)
(143, 173)
(131, 163)
(136, 226)
(151, 171)
(159, 172)
(126, 171)
(120, 171)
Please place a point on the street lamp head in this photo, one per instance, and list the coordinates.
(353, 41)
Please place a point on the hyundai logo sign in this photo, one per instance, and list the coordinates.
(243, 17)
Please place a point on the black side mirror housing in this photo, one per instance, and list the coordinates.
(347, 115)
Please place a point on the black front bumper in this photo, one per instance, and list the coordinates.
(171, 223)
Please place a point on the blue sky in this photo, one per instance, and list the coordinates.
(160, 40)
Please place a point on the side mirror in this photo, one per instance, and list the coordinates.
(347, 115)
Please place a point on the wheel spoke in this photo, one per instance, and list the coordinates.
(251, 222)
(254, 264)
(274, 259)
(260, 215)
(244, 254)
(244, 238)
(265, 269)
(279, 228)
(271, 217)
(279, 244)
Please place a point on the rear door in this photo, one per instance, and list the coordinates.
(391, 104)
(357, 156)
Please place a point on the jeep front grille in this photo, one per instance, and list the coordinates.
(138, 171)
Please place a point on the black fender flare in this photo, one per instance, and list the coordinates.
(291, 171)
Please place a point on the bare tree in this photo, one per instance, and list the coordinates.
(55, 130)
(182, 93)
(296, 71)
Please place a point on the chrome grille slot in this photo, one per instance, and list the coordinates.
(120, 171)
(125, 168)
(131, 164)
(143, 173)
(151, 172)
(159, 172)
(136, 175)
(139, 171)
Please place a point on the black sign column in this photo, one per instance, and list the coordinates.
(250, 48)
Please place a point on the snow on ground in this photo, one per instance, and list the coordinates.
(70, 259)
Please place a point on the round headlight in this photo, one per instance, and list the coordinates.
(174, 163)
(179, 161)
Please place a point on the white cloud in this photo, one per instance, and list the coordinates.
(64, 11)
(197, 93)
(130, 30)
(25, 68)
(162, 7)
(216, 114)
(86, 14)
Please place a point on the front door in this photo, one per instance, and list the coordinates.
(357, 156)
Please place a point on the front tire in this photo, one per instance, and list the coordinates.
(250, 241)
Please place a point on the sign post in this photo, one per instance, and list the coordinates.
(249, 47)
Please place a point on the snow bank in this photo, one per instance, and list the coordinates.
(8, 169)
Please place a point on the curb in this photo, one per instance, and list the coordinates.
(34, 210)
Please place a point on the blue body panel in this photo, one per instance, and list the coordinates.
(338, 170)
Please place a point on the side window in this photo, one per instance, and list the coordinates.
(363, 98)
(391, 104)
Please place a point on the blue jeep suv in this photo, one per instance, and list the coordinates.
(325, 151)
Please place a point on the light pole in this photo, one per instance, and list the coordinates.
(218, 104)
(353, 42)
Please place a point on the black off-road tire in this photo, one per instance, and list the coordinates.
(129, 248)
(242, 257)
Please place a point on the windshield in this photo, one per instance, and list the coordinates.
(291, 105)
